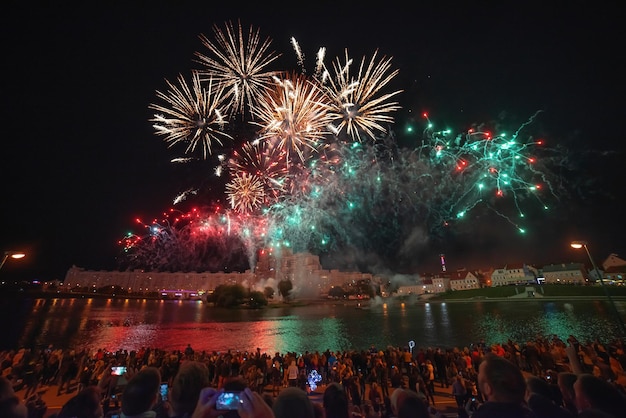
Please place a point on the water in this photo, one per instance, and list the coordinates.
(130, 324)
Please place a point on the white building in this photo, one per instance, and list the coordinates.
(514, 274)
(570, 273)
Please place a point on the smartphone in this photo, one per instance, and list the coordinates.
(228, 401)
(164, 390)
(118, 371)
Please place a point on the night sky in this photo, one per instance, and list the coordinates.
(80, 160)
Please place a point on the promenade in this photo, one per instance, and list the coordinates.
(444, 402)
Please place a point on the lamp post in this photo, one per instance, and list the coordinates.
(12, 254)
(583, 244)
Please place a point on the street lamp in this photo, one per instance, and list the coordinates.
(583, 244)
(12, 254)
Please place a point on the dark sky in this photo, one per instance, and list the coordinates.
(80, 160)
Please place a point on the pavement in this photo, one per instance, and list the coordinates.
(444, 401)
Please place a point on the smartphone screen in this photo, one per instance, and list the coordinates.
(228, 401)
(118, 371)
(164, 390)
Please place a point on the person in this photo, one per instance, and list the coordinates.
(503, 386)
(191, 378)
(459, 391)
(141, 394)
(375, 397)
(293, 402)
(541, 399)
(335, 401)
(395, 399)
(10, 405)
(594, 393)
(189, 352)
(85, 404)
(292, 373)
(412, 406)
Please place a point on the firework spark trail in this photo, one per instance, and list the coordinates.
(299, 54)
(194, 116)
(238, 65)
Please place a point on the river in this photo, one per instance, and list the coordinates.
(130, 324)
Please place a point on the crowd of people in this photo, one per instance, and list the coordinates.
(545, 377)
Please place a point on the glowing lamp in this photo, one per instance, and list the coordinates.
(13, 254)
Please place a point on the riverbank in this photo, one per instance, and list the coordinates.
(497, 294)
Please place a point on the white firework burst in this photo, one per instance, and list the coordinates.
(192, 116)
(238, 65)
(359, 107)
(294, 117)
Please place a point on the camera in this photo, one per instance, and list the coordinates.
(228, 401)
(118, 370)
(163, 392)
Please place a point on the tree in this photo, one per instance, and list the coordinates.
(257, 300)
(337, 292)
(284, 288)
(228, 296)
(268, 292)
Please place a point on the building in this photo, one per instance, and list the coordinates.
(570, 273)
(514, 274)
(613, 261)
(302, 269)
(464, 280)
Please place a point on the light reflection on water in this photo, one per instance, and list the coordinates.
(131, 324)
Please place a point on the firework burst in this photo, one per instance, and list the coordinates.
(294, 118)
(193, 116)
(268, 164)
(359, 106)
(238, 65)
(245, 192)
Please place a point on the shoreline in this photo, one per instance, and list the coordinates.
(361, 303)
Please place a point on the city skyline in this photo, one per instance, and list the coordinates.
(92, 163)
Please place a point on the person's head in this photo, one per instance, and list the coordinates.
(335, 401)
(191, 378)
(412, 406)
(85, 404)
(500, 380)
(396, 398)
(535, 384)
(595, 393)
(293, 402)
(141, 392)
(10, 405)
